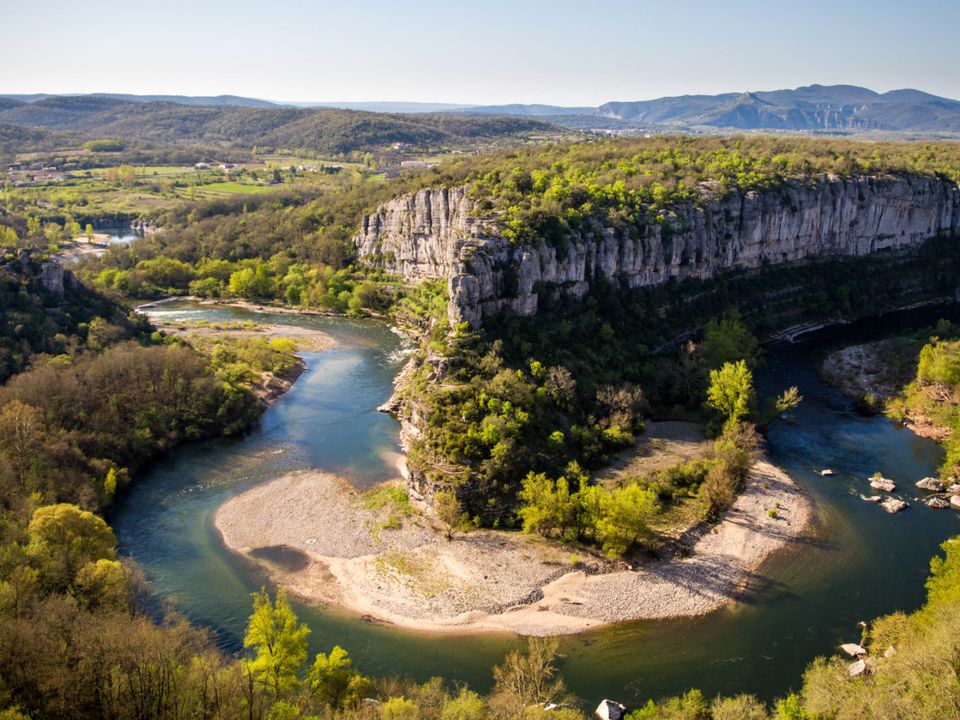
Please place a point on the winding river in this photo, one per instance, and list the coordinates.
(866, 562)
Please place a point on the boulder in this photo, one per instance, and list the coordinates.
(871, 498)
(892, 505)
(857, 668)
(955, 502)
(937, 503)
(826, 472)
(930, 484)
(954, 489)
(882, 483)
(853, 649)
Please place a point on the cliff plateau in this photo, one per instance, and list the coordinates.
(439, 234)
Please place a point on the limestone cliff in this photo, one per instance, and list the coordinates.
(439, 234)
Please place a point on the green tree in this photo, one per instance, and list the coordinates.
(728, 340)
(548, 506)
(731, 391)
(64, 538)
(467, 705)
(279, 643)
(333, 680)
(103, 584)
(627, 513)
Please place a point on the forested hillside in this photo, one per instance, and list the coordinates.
(322, 130)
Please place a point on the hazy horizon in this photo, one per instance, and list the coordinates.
(465, 104)
(565, 53)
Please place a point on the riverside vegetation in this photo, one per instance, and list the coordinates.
(102, 394)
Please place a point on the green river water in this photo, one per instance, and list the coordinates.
(865, 562)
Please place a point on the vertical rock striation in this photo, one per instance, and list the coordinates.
(437, 233)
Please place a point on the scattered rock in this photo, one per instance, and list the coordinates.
(892, 505)
(853, 649)
(871, 498)
(890, 652)
(827, 472)
(882, 483)
(937, 503)
(930, 484)
(954, 489)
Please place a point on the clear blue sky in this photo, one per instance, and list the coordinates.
(481, 51)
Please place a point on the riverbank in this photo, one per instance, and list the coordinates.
(863, 373)
(326, 542)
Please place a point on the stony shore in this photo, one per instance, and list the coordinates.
(323, 540)
(861, 371)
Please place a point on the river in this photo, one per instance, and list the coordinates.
(864, 564)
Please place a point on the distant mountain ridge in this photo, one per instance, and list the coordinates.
(207, 100)
(814, 108)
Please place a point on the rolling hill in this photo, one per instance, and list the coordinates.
(323, 130)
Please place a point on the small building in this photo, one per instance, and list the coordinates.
(610, 710)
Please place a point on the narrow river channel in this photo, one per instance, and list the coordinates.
(865, 562)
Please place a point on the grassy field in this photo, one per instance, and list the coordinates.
(238, 188)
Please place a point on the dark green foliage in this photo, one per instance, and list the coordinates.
(118, 408)
(34, 320)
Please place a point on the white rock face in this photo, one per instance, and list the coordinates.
(439, 234)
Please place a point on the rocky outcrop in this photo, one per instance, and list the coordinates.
(51, 274)
(440, 234)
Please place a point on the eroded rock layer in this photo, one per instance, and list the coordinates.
(438, 233)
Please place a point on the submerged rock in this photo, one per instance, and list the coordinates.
(892, 505)
(826, 472)
(871, 498)
(931, 484)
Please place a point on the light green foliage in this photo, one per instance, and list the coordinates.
(333, 680)
(790, 708)
(740, 707)
(935, 396)
(103, 584)
(467, 705)
(625, 522)
(939, 363)
(548, 506)
(279, 643)
(691, 706)
(399, 708)
(731, 391)
(63, 538)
